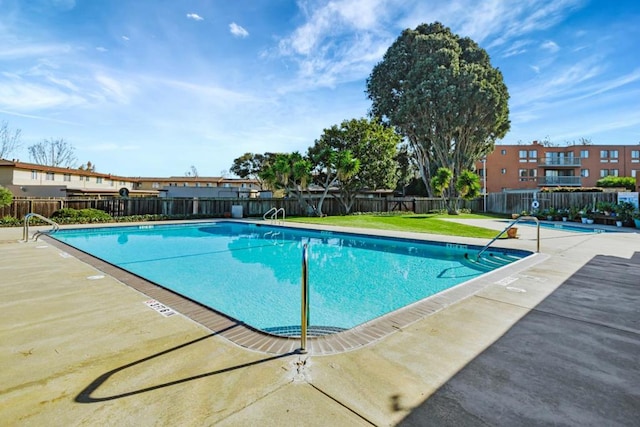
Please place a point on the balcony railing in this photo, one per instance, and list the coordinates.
(566, 162)
(560, 180)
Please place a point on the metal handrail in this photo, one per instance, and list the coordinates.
(508, 227)
(25, 231)
(268, 212)
(274, 214)
(304, 305)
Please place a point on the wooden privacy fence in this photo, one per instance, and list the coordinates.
(220, 206)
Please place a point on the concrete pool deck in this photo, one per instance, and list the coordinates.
(555, 343)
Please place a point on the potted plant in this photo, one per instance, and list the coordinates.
(573, 213)
(636, 218)
(624, 212)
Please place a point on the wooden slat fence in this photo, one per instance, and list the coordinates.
(218, 207)
(502, 203)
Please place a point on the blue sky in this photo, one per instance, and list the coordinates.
(152, 87)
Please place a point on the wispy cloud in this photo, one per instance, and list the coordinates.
(195, 17)
(102, 49)
(125, 38)
(237, 30)
(550, 46)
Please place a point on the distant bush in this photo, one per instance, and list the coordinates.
(571, 190)
(6, 197)
(9, 221)
(617, 182)
(83, 216)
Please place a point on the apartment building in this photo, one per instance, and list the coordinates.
(196, 186)
(533, 166)
(33, 180)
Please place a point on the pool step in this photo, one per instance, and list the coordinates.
(294, 331)
(491, 261)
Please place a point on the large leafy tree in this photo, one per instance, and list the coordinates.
(53, 152)
(251, 165)
(360, 154)
(440, 91)
(290, 172)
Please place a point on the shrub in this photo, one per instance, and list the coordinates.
(70, 215)
(617, 182)
(65, 213)
(9, 221)
(6, 197)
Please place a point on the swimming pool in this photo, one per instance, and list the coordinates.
(563, 226)
(252, 272)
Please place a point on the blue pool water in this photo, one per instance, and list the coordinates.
(568, 227)
(253, 272)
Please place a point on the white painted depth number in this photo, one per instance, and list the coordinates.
(160, 308)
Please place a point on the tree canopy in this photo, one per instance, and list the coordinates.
(290, 172)
(360, 154)
(441, 93)
(9, 140)
(251, 165)
(6, 197)
(53, 152)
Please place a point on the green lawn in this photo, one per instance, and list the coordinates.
(428, 223)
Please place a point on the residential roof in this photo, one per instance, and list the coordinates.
(43, 168)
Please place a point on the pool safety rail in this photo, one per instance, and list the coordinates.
(272, 214)
(25, 230)
(304, 304)
(520, 218)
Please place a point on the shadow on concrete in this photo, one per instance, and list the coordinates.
(572, 360)
(85, 396)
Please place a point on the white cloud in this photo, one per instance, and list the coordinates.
(102, 49)
(125, 38)
(195, 17)
(550, 46)
(237, 30)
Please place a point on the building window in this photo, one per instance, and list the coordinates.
(533, 155)
(209, 184)
(503, 152)
(604, 154)
(226, 185)
(503, 171)
(613, 154)
(34, 174)
(67, 177)
(50, 176)
(584, 154)
(197, 184)
(184, 184)
(87, 178)
(608, 172)
(584, 173)
(155, 185)
(633, 173)
(99, 180)
(522, 155)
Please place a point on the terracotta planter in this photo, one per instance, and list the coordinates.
(512, 232)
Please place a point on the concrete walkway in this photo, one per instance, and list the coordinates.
(556, 343)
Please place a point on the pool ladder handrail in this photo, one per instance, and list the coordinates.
(25, 231)
(304, 303)
(274, 214)
(517, 220)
